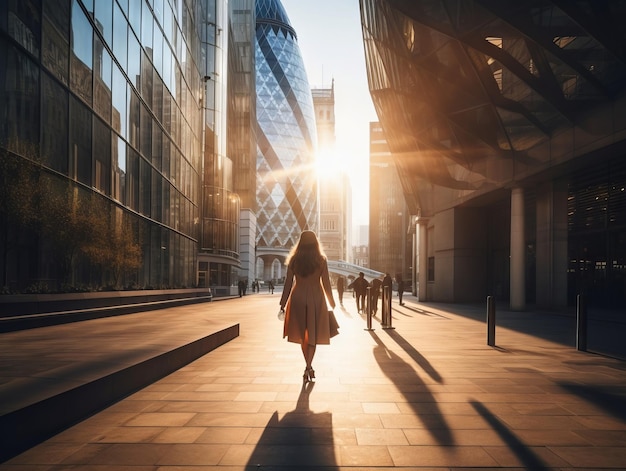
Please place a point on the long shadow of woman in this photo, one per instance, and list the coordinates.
(301, 438)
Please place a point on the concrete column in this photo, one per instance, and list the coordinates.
(518, 252)
(422, 278)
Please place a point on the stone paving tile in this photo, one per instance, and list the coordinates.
(428, 395)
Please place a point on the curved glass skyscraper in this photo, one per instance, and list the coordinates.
(286, 187)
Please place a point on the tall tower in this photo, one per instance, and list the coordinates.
(389, 244)
(334, 186)
(286, 136)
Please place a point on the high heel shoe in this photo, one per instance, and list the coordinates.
(311, 374)
(305, 376)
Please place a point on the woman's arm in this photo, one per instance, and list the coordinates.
(287, 287)
(326, 284)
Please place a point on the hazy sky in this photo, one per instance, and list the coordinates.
(331, 44)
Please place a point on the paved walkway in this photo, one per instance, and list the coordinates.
(429, 394)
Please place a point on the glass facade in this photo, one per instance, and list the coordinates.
(286, 192)
(464, 111)
(101, 142)
(478, 97)
(219, 221)
(389, 244)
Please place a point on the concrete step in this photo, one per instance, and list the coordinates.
(40, 405)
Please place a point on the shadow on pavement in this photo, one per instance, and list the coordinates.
(401, 374)
(301, 438)
(526, 456)
(612, 403)
(415, 355)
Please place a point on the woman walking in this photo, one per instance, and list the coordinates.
(306, 296)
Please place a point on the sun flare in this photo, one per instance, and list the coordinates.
(326, 163)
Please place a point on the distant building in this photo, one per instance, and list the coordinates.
(362, 235)
(390, 244)
(334, 187)
(286, 192)
(361, 256)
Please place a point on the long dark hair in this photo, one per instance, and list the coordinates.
(307, 255)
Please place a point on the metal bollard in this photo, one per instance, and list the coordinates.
(581, 323)
(369, 309)
(491, 321)
(386, 307)
(383, 308)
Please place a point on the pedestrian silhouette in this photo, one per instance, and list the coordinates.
(400, 283)
(360, 286)
(305, 299)
(341, 287)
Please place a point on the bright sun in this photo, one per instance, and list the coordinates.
(326, 163)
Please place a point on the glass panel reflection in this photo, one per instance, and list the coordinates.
(118, 119)
(102, 156)
(103, 83)
(54, 125)
(80, 142)
(82, 54)
(119, 169)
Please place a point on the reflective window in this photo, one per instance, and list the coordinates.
(146, 30)
(289, 205)
(168, 59)
(24, 24)
(157, 196)
(157, 100)
(119, 168)
(157, 145)
(165, 164)
(104, 20)
(80, 142)
(82, 54)
(146, 133)
(168, 23)
(145, 180)
(167, 111)
(167, 189)
(132, 179)
(157, 51)
(146, 78)
(118, 119)
(56, 30)
(134, 61)
(120, 40)
(175, 123)
(19, 95)
(102, 156)
(134, 116)
(124, 5)
(134, 16)
(102, 83)
(158, 10)
(54, 119)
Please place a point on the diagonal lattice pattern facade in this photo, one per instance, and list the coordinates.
(286, 187)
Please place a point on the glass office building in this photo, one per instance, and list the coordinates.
(106, 110)
(389, 244)
(505, 120)
(286, 136)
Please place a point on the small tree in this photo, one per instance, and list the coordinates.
(113, 246)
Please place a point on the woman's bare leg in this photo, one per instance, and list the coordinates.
(308, 351)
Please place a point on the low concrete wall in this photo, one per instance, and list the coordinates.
(25, 311)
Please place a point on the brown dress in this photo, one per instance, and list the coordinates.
(306, 306)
